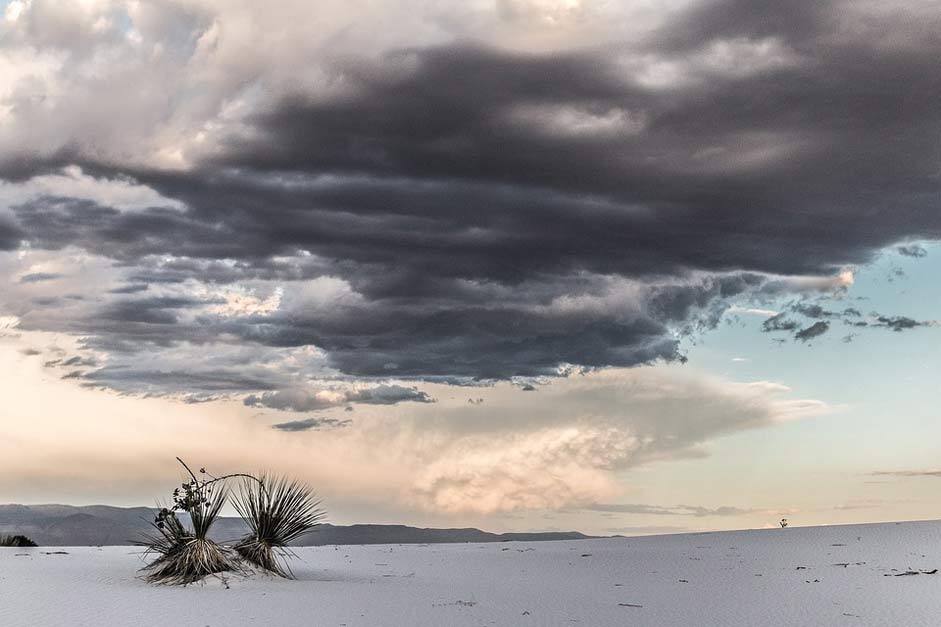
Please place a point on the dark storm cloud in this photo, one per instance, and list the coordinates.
(131, 288)
(158, 310)
(812, 310)
(778, 323)
(899, 323)
(427, 169)
(582, 199)
(312, 423)
(815, 330)
(462, 340)
(466, 191)
(913, 250)
(10, 234)
(55, 222)
(848, 315)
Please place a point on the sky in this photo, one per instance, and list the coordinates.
(621, 267)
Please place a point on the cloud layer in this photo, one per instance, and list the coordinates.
(563, 447)
(519, 189)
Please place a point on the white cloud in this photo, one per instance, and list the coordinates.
(72, 182)
(242, 301)
(741, 57)
(571, 121)
(8, 323)
(727, 58)
(568, 444)
(14, 9)
(838, 282)
(753, 310)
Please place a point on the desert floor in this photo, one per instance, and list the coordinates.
(843, 575)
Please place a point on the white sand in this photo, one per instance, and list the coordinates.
(735, 578)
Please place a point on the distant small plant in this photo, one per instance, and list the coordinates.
(16, 541)
(783, 523)
(276, 510)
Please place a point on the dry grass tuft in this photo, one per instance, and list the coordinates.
(188, 560)
(16, 541)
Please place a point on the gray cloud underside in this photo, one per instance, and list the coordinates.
(306, 401)
(315, 424)
(160, 382)
(37, 277)
(461, 190)
(10, 234)
(906, 473)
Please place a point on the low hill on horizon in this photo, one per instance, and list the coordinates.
(104, 525)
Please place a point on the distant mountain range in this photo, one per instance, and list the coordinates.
(102, 525)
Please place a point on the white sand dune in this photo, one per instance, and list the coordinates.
(842, 575)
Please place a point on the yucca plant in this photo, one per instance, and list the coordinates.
(278, 511)
(185, 554)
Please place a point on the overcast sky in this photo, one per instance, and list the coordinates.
(524, 264)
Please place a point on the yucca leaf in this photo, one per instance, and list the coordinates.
(277, 511)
